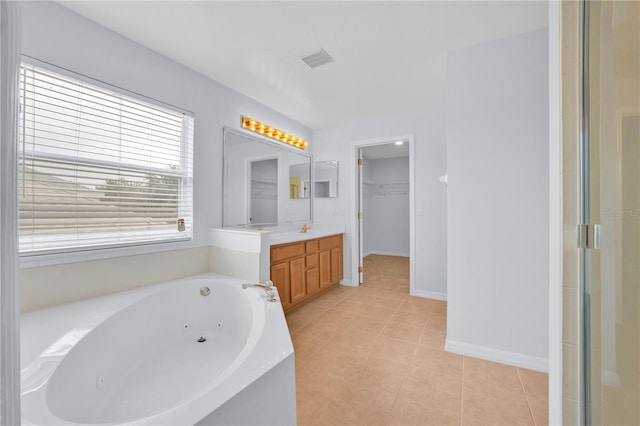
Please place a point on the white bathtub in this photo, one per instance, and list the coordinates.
(136, 358)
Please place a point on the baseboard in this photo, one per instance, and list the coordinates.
(496, 355)
(429, 294)
(610, 378)
(348, 283)
(386, 253)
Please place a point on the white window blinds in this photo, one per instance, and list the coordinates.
(99, 168)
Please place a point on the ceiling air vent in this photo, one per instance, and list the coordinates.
(316, 59)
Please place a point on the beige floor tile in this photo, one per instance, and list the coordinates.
(540, 410)
(351, 340)
(392, 350)
(420, 301)
(411, 318)
(295, 323)
(354, 405)
(308, 312)
(374, 373)
(432, 389)
(536, 384)
(499, 407)
(365, 297)
(331, 361)
(439, 307)
(388, 365)
(404, 332)
(408, 306)
(351, 306)
(407, 412)
(318, 330)
(385, 302)
(335, 318)
(315, 380)
(376, 312)
(345, 290)
(307, 403)
(304, 346)
(467, 420)
(399, 288)
(370, 325)
(393, 294)
(433, 339)
(439, 360)
(323, 301)
(437, 322)
(487, 375)
(377, 282)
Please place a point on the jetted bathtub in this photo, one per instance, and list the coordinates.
(160, 355)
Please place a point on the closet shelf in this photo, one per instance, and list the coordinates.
(263, 189)
(384, 189)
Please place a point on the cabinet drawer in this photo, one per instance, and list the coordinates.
(331, 242)
(286, 251)
(312, 261)
(312, 246)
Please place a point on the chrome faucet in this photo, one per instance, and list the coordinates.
(267, 286)
(304, 229)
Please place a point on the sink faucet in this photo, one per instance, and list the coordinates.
(267, 286)
(304, 229)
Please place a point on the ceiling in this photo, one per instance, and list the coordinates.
(389, 57)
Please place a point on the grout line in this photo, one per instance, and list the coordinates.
(526, 397)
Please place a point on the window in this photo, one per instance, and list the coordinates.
(99, 168)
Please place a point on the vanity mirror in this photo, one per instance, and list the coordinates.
(258, 181)
(326, 179)
(300, 181)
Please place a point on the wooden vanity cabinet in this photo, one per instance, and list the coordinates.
(305, 269)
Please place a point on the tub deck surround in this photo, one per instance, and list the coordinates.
(242, 240)
(135, 357)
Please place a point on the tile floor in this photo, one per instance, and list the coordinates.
(373, 355)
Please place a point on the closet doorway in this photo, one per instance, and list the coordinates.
(385, 220)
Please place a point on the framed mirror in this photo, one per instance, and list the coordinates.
(326, 179)
(257, 181)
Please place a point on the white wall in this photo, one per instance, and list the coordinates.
(53, 34)
(430, 200)
(386, 208)
(497, 162)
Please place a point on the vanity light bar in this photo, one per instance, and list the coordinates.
(273, 133)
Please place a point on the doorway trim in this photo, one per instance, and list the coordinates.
(355, 260)
(247, 187)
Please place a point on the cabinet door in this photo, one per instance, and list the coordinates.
(297, 280)
(280, 277)
(336, 265)
(325, 268)
(313, 281)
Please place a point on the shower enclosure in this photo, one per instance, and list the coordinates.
(608, 211)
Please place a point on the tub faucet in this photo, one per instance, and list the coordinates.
(304, 229)
(267, 286)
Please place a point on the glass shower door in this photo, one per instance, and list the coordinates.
(611, 185)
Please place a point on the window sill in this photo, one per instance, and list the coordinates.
(35, 261)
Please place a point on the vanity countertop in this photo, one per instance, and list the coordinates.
(293, 235)
(251, 239)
